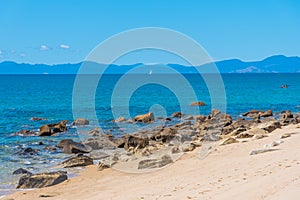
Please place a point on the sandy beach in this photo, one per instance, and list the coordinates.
(228, 172)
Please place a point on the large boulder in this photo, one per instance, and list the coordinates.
(45, 130)
(198, 103)
(78, 161)
(155, 163)
(146, 118)
(41, 180)
(80, 122)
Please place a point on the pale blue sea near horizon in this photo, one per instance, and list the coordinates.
(50, 97)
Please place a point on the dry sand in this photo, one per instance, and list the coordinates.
(228, 172)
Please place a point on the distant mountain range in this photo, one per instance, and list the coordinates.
(273, 64)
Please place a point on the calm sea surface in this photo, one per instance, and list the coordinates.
(50, 97)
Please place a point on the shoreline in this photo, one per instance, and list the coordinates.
(228, 172)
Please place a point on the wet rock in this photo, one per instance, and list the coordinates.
(21, 171)
(146, 118)
(28, 152)
(42, 180)
(229, 140)
(37, 119)
(25, 133)
(177, 114)
(120, 119)
(64, 142)
(198, 103)
(80, 122)
(78, 161)
(60, 127)
(136, 142)
(45, 130)
(155, 163)
(49, 148)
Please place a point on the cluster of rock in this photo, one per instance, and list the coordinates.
(190, 133)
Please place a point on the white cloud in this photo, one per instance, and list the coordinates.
(64, 46)
(44, 48)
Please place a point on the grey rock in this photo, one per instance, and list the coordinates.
(41, 180)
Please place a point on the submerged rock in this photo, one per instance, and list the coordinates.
(26, 133)
(37, 119)
(41, 180)
(27, 152)
(78, 161)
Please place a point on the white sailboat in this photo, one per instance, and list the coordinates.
(150, 72)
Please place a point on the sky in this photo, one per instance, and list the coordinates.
(55, 31)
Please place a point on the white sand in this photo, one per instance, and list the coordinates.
(229, 172)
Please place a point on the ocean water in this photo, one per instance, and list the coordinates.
(50, 97)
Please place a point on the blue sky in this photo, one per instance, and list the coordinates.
(55, 31)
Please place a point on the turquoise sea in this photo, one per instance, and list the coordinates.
(50, 97)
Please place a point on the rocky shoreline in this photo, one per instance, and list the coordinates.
(148, 150)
